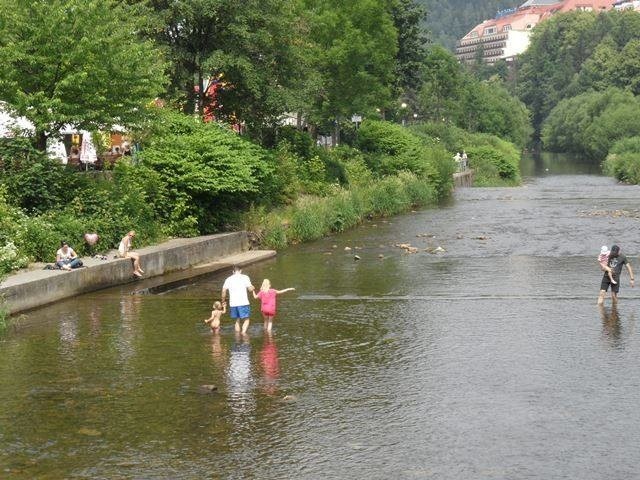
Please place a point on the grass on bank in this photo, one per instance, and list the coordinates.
(310, 218)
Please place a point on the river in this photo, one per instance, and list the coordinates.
(488, 361)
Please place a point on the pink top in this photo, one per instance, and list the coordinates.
(603, 258)
(268, 301)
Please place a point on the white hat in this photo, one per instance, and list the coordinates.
(604, 250)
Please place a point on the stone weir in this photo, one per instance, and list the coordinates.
(27, 290)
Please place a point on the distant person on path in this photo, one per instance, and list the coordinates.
(124, 250)
(267, 296)
(66, 257)
(615, 263)
(603, 258)
(213, 321)
(238, 285)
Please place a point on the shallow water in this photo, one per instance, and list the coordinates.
(488, 361)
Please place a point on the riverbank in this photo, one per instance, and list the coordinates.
(31, 289)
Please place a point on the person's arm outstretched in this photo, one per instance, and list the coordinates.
(285, 290)
(255, 296)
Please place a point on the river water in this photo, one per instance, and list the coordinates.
(488, 361)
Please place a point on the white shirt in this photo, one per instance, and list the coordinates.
(237, 285)
(66, 256)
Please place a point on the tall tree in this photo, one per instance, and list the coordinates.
(79, 62)
(412, 45)
(354, 55)
(251, 47)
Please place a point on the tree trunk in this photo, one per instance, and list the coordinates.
(41, 141)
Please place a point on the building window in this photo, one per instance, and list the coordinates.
(473, 34)
(528, 26)
(490, 30)
(506, 28)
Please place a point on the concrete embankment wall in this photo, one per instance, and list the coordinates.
(32, 289)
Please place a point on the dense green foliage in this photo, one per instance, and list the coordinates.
(391, 149)
(451, 20)
(590, 123)
(576, 52)
(76, 61)
(452, 94)
(207, 171)
(623, 161)
(495, 161)
(580, 78)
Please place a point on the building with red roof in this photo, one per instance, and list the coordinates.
(508, 34)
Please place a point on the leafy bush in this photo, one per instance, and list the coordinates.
(34, 182)
(592, 122)
(624, 160)
(390, 149)
(493, 167)
(209, 171)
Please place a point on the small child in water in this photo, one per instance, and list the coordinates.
(267, 296)
(213, 321)
(603, 259)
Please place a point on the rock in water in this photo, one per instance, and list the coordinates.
(207, 389)
(356, 257)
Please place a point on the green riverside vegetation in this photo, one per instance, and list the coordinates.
(322, 63)
(580, 78)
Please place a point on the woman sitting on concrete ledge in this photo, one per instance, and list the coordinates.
(124, 250)
(66, 257)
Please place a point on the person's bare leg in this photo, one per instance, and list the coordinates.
(601, 297)
(265, 321)
(614, 297)
(270, 324)
(237, 328)
(245, 326)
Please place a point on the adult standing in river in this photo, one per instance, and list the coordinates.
(616, 262)
(238, 285)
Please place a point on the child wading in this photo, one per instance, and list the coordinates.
(603, 259)
(213, 321)
(267, 296)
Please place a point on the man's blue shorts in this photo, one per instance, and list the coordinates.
(243, 311)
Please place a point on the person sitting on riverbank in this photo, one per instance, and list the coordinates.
(213, 321)
(615, 263)
(603, 258)
(124, 250)
(267, 296)
(66, 257)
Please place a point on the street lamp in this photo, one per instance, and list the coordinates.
(404, 113)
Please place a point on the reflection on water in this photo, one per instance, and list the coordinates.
(490, 360)
(270, 366)
(239, 377)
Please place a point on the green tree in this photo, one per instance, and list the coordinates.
(253, 47)
(412, 43)
(442, 84)
(79, 62)
(354, 55)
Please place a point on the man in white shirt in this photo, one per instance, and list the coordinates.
(238, 286)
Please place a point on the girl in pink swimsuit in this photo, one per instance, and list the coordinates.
(267, 296)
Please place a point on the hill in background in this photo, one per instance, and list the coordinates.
(450, 20)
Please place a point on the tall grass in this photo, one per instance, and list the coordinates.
(310, 217)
